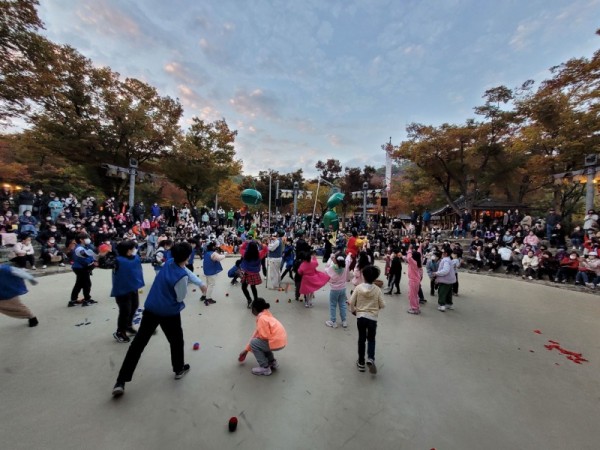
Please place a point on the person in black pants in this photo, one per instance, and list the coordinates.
(163, 307)
(395, 273)
(84, 260)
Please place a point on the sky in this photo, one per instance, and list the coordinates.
(308, 80)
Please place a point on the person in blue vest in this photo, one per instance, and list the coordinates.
(195, 248)
(162, 307)
(127, 279)
(212, 267)
(275, 246)
(11, 287)
(84, 260)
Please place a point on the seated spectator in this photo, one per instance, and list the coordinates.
(508, 238)
(494, 260)
(577, 238)
(24, 253)
(557, 238)
(532, 239)
(530, 265)
(11, 221)
(516, 262)
(52, 254)
(28, 224)
(568, 267)
(505, 255)
(587, 269)
(477, 260)
(547, 266)
(51, 232)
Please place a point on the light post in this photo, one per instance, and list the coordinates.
(133, 165)
(296, 187)
(365, 189)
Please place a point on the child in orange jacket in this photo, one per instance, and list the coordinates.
(269, 337)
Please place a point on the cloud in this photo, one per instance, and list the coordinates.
(101, 15)
(521, 37)
(255, 104)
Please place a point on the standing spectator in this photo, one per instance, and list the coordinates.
(427, 219)
(56, 208)
(155, 210)
(466, 222)
(171, 215)
(551, 220)
(590, 222)
(25, 200)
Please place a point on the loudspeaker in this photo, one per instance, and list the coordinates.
(384, 201)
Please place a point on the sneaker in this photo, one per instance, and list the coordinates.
(33, 268)
(266, 371)
(61, 265)
(372, 366)
(306, 304)
(179, 375)
(206, 303)
(442, 308)
(361, 366)
(449, 306)
(274, 365)
(131, 330)
(211, 301)
(590, 285)
(388, 293)
(33, 322)
(122, 338)
(530, 277)
(119, 389)
(203, 298)
(331, 324)
(344, 324)
(413, 311)
(44, 266)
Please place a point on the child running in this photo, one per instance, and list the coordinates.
(338, 274)
(269, 336)
(11, 287)
(127, 278)
(365, 303)
(163, 307)
(312, 279)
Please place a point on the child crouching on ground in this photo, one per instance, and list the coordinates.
(365, 303)
(269, 337)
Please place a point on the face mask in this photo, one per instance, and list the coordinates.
(87, 241)
(434, 258)
(573, 257)
(134, 251)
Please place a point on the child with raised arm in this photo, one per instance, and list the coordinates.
(365, 303)
(338, 274)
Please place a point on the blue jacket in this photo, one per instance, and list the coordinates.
(162, 299)
(127, 276)
(82, 257)
(10, 285)
(211, 267)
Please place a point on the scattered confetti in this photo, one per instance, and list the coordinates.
(577, 358)
(537, 331)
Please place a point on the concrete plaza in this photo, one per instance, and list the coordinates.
(474, 378)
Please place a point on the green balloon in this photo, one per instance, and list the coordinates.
(251, 197)
(331, 218)
(335, 200)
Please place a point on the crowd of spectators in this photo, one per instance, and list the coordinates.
(515, 242)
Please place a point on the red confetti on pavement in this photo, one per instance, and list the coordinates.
(577, 358)
(537, 331)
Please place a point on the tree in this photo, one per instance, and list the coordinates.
(204, 157)
(23, 53)
(330, 169)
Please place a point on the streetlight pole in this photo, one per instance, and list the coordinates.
(270, 174)
(296, 186)
(365, 188)
(133, 165)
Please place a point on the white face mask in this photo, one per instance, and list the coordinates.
(87, 241)
(134, 252)
(573, 257)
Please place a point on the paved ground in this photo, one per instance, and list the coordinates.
(478, 377)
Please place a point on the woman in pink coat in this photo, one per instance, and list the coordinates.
(312, 279)
(415, 275)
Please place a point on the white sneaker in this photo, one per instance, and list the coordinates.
(61, 265)
(44, 266)
(261, 371)
(442, 308)
(306, 304)
(331, 324)
(344, 324)
(530, 277)
(590, 285)
(33, 268)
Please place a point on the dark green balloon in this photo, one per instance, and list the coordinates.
(251, 197)
(335, 200)
(331, 218)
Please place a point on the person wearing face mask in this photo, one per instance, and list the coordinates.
(27, 224)
(127, 279)
(56, 208)
(432, 267)
(84, 260)
(52, 254)
(569, 265)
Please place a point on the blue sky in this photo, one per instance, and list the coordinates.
(308, 80)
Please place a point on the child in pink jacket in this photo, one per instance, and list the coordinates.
(312, 279)
(269, 337)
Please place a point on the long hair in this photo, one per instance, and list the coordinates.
(417, 257)
(363, 260)
(251, 251)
